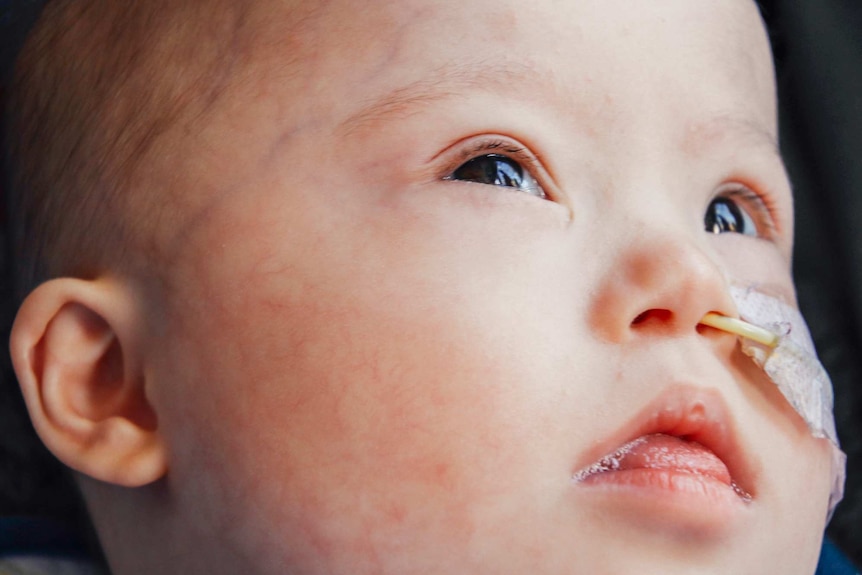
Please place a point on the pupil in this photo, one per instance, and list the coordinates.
(724, 216)
(492, 169)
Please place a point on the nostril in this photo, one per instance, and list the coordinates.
(653, 316)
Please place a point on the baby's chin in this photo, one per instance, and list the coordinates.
(528, 545)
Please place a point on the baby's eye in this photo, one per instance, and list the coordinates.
(498, 170)
(729, 214)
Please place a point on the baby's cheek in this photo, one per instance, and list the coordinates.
(762, 263)
(350, 389)
(357, 428)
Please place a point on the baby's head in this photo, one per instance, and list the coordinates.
(366, 290)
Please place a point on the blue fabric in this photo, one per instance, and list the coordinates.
(833, 562)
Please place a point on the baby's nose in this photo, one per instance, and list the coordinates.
(658, 284)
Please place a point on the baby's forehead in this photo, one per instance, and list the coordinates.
(397, 56)
(580, 55)
(283, 74)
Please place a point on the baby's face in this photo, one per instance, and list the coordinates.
(434, 258)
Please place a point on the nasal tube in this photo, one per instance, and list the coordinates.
(775, 336)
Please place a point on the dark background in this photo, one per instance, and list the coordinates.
(818, 48)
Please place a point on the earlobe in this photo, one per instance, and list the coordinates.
(73, 349)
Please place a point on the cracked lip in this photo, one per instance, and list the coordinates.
(686, 412)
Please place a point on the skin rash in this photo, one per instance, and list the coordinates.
(362, 363)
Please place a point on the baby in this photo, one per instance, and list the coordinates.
(402, 287)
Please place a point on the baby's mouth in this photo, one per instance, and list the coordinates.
(682, 447)
(662, 461)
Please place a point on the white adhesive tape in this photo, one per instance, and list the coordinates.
(795, 369)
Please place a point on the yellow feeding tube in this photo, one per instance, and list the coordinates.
(741, 328)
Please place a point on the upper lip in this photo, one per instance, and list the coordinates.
(690, 413)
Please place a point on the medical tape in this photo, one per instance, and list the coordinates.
(779, 342)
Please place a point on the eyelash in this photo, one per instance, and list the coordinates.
(495, 145)
(510, 149)
(759, 205)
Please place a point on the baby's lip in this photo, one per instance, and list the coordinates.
(700, 421)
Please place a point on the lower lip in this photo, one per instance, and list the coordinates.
(666, 478)
(672, 482)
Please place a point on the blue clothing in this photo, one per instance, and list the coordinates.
(833, 562)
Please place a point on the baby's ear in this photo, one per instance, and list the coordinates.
(75, 350)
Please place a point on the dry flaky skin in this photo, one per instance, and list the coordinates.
(794, 367)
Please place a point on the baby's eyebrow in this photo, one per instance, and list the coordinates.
(454, 80)
(702, 135)
(445, 82)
